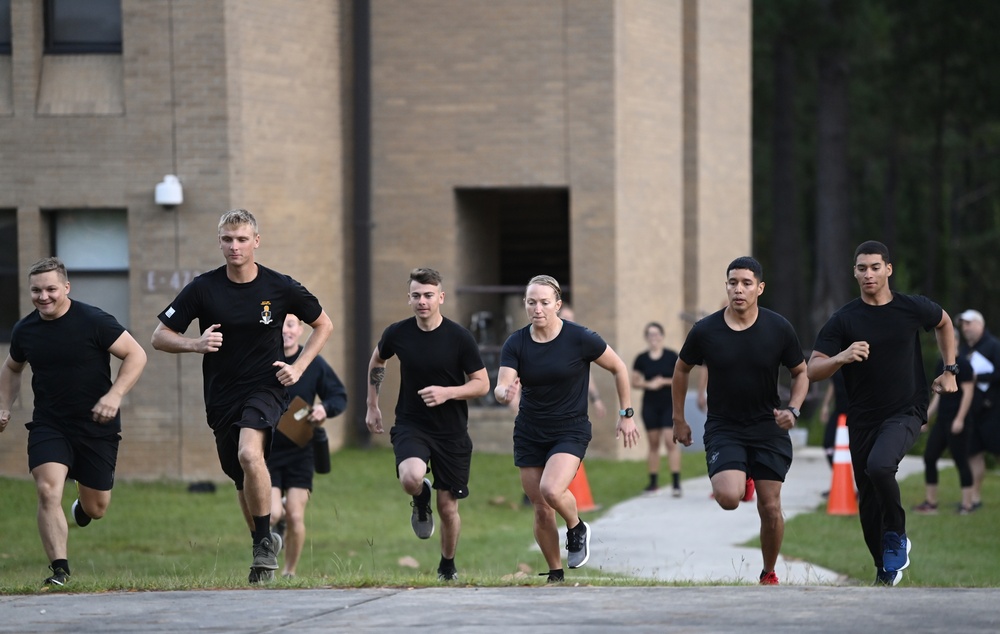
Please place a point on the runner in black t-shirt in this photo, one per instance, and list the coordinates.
(547, 366)
(743, 347)
(76, 423)
(440, 370)
(875, 343)
(245, 374)
(652, 372)
(291, 466)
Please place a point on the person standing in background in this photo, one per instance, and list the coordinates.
(652, 372)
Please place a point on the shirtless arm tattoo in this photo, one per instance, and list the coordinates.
(376, 377)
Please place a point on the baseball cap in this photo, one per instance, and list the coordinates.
(972, 315)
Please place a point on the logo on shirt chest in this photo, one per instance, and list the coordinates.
(265, 315)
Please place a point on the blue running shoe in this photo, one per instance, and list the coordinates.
(895, 551)
(883, 578)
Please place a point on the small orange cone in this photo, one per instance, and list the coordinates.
(581, 491)
(842, 500)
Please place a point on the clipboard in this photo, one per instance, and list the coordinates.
(294, 424)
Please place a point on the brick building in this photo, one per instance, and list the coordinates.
(606, 142)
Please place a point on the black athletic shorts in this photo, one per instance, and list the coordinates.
(658, 417)
(534, 444)
(757, 449)
(260, 410)
(91, 459)
(449, 458)
(985, 432)
(291, 466)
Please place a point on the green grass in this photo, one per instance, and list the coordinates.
(160, 536)
(157, 536)
(949, 550)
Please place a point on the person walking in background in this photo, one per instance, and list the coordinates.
(547, 365)
(874, 341)
(652, 372)
(245, 375)
(76, 425)
(951, 431)
(982, 349)
(291, 466)
(440, 370)
(746, 432)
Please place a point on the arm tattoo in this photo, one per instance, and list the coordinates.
(376, 377)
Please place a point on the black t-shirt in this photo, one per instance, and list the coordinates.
(649, 369)
(743, 365)
(891, 381)
(554, 375)
(949, 404)
(251, 317)
(445, 356)
(70, 366)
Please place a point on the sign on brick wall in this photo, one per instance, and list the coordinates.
(162, 281)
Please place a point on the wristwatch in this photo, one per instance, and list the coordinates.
(953, 368)
(626, 413)
(795, 411)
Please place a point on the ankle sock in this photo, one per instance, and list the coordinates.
(654, 480)
(60, 563)
(676, 476)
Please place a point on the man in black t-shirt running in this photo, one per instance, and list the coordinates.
(440, 370)
(76, 425)
(245, 375)
(874, 341)
(746, 433)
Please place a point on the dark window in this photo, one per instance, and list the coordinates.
(9, 294)
(4, 27)
(93, 26)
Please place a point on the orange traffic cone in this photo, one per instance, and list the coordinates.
(842, 500)
(581, 491)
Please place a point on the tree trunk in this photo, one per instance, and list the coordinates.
(833, 255)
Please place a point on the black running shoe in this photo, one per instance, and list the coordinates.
(59, 577)
(578, 545)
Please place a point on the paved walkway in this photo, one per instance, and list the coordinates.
(691, 538)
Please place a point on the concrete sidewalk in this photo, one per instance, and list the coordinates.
(656, 536)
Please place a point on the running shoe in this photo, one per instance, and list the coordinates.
(895, 551)
(578, 545)
(422, 519)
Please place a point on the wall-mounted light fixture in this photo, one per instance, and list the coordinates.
(169, 192)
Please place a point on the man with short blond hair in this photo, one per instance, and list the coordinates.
(241, 308)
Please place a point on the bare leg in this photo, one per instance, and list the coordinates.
(295, 531)
(977, 464)
(653, 457)
(277, 507)
(728, 488)
(451, 523)
(931, 493)
(772, 521)
(255, 498)
(673, 452)
(50, 479)
(545, 529)
(412, 472)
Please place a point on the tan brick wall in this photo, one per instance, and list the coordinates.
(244, 100)
(209, 96)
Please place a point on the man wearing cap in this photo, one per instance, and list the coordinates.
(982, 350)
